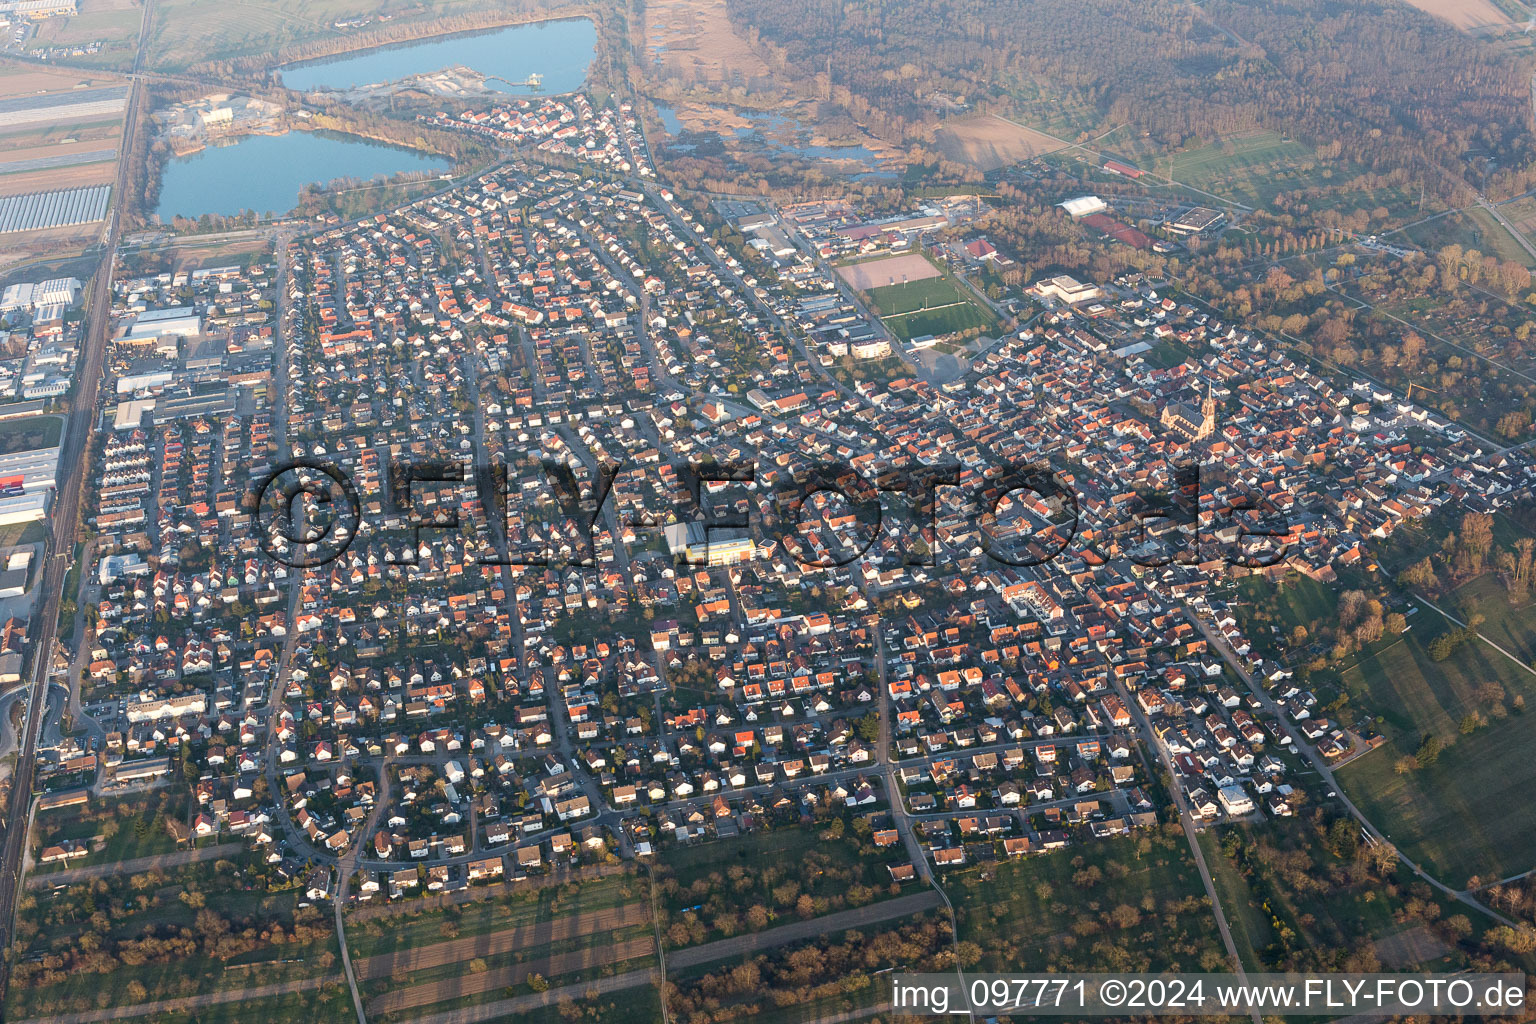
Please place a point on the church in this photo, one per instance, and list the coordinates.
(1189, 422)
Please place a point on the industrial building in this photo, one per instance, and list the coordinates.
(61, 291)
(23, 508)
(37, 10)
(156, 323)
(1195, 221)
(29, 472)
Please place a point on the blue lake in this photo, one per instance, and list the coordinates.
(560, 51)
(265, 172)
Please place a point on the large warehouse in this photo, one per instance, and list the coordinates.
(155, 323)
(23, 508)
(29, 472)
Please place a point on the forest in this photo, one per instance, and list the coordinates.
(1391, 85)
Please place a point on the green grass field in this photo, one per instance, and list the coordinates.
(1494, 238)
(1061, 910)
(408, 929)
(937, 305)
(30, 433)
(1470, 812)
(133, 827)
(59, 925)
(325, 1004)
(186, 32)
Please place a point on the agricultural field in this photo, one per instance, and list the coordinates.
(186, 32)
(756, 882)
(500, 946)
(1131, 904)
(69, 150)
(409, 927)
(1468, 15)
(112, 23)
(1467, 812)
(991, 142)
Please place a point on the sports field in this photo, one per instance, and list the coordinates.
(934, 306)
(869, 274)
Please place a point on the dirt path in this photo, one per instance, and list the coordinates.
(160, 862)
(902, 906)
(537, 934)
(237, 995)
(502, 977)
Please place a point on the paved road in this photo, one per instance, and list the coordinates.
(1191, 834)
(234, 995)
(66, 511)
(132, 867)
(1320, 765)
(344, 869)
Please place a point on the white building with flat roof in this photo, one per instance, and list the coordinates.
(155, 323)
(23, 508)
(1065, 288)
(1084, 206)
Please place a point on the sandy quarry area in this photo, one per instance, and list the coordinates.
(990, 142)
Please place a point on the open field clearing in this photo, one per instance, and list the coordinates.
(23, 435)
(18, 80)
(186, 32)
(1250, 168)
(1469, 812)
(1030, 913)
(693, 40)
(113, 23)
(991, 142)
(495, 943)
(1467, 15)
(395, 930)
(892, 270)
(494, 979)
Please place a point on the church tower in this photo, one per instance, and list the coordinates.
(1208, 412)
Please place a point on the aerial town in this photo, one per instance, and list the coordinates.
(663, 532)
